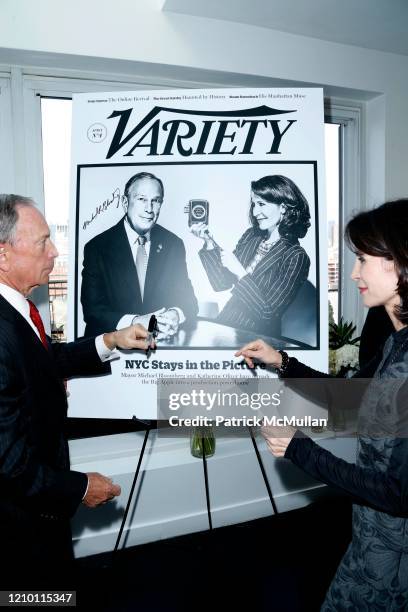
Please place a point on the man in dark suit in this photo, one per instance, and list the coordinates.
(137, 267)
(39, 492)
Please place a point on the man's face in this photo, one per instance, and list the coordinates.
(30, 259)
(143, 204)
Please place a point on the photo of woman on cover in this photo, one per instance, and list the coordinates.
(268, 266)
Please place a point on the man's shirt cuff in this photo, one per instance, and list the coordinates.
(86, 490)
(105, 354)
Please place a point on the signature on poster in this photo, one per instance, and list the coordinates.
(101, 208)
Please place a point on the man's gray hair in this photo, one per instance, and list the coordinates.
(9, 214)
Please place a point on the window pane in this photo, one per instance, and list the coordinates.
(56, 138)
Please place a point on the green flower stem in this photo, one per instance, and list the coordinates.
(202, 441)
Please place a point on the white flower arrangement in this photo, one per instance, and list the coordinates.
(344, 357)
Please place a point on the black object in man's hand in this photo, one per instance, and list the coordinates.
(153, 331)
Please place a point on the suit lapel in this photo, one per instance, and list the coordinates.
(276, 252)
(248, 250)
(39, 358)
(25, 331)
(119, 260)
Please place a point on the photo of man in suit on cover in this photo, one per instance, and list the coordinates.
(137, 267)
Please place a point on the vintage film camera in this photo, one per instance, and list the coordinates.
(198, 212)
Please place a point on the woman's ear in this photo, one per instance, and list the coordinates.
(283, 209)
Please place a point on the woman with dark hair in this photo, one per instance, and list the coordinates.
(373, 574)
(268, 265)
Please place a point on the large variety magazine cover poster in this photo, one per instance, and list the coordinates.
(206, 208)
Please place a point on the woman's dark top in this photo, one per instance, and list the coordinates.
(377, 327)
(373, 574)
(258, 299)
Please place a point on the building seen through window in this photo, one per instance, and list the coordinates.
(58, 285)
(56, 137)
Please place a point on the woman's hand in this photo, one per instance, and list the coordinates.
(200, 230)
(278, 438)
(230, 261)
(258, 349)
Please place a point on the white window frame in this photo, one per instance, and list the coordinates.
(7, 149)
(352, 197)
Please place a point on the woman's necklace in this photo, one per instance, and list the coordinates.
(263, 249)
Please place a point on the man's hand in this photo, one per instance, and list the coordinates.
(278, 438)
(230, 261)
(100, 490)
(168, 323)
(133, 337)
(258, 349)
(144, 320)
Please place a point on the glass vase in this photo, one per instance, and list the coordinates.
(337, 418)
(202, 440)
